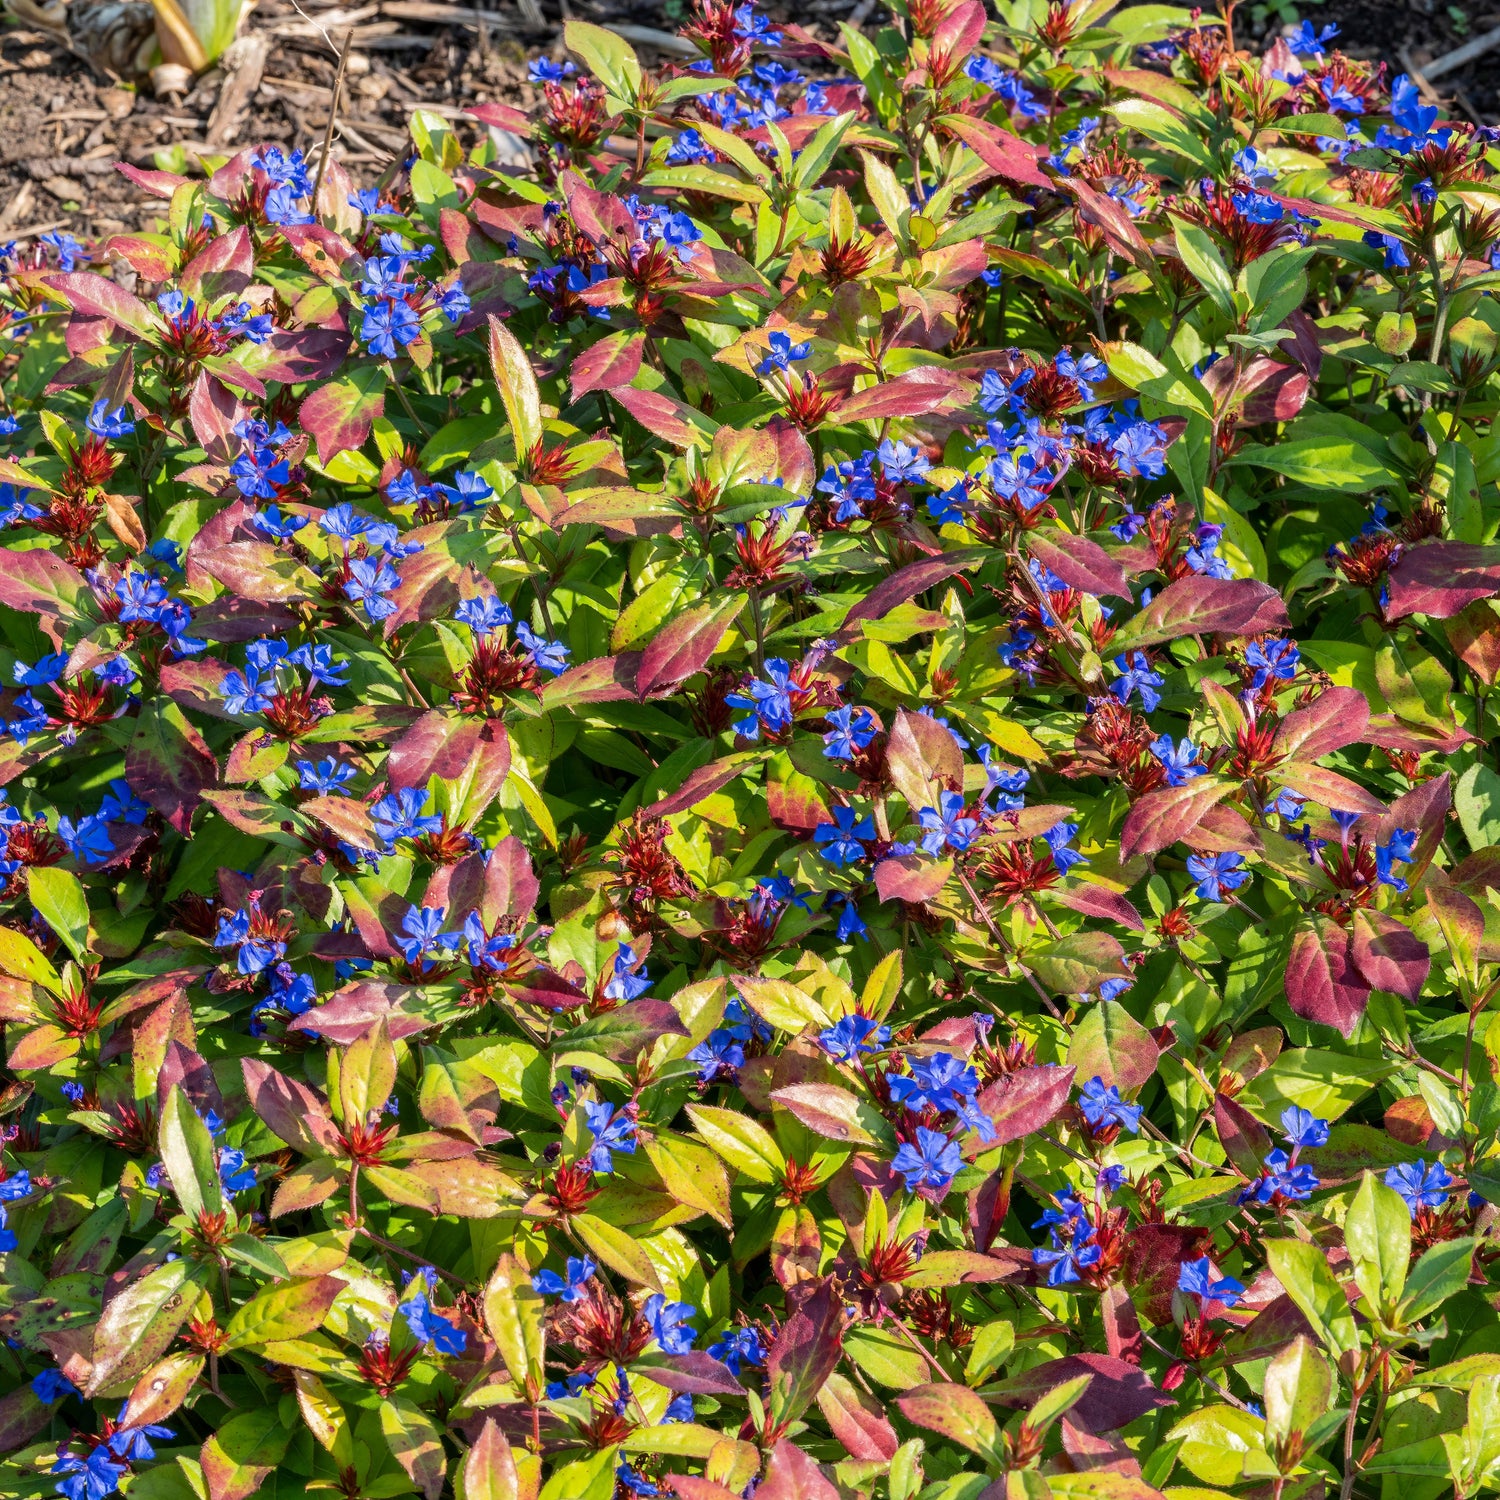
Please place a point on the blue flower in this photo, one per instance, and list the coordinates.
(842, 838)
(851, 1036)
(624, 983)
(544, 70)
(104, 423)
(738, 1347)
(422, 934)
(1283, 1177)
(275, 525)
(1306, 42)
(611, 1132)
(767, 703)
(52, 1385)
(242, 321)
(326, 777)
(635, 1482)
(1180, 762)
(370, 580)
(1303, 1128)
(427, 1326)
(1057, 838)
(483, 615)
(88, 841)
(948, 828)
(244, 692)
(1396, 258)
(259, 473)
(671, 1323)
(571, 1287)
(1066, 1259)
(852, 730)
(574, 1385)
(1141, 449)
(900, 462)
(400, 815)
(1421, 1184)
(548, 656)
(720, 1055)
(383, 275)
(688, 149)
(387, 325)
(235, 1175)
(319, 664)
(782, 353)
(1216, 873)
(1274, 658)
(851, 924)
(487, 952)
(284, 170)
(1103, 1107)
(468, 490)
(1195, 1277)
(90, 1478)
(69, 250)
(1136, 676)
(930, 1162)
(281, 208)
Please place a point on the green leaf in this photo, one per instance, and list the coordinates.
(1201, 256)
(1298, 1390)
(141, 1321)
(1328, 463)
(283, 1312)
(742, 1142)
(187, 1152)
(517, 380)
(514, 1312)
(1303, 1270)
(20, 958)
(59, 896)
(607, 55)
(618, 1249)
(244, 1450)
(1442, 1272)
(957, 1413)
(415, 1443)
(1377, 1232)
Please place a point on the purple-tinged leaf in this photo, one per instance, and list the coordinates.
(1080, 562)
(38, 582)
(1030, 1099)
(683, 646)
(1160, 818)
(1439, 579)
(97, 296)
(911, 877)
(1118, 1393)
(1337, 717)
(806, 1351)
(610, 363)
(1098, 901)
(857, 1420)
(1198, 605)
(1322, 982)
(168, 763)
(605, 679)
(703, 782)
(908, 583)
(1388, 955)
(289, 1108)
(339, 414)
(1242, 1136)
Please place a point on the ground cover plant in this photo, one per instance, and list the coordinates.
(803, 807)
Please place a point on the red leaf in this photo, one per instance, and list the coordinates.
(1117, 1394)
(97, 296)
(696, 1373)
(1242, 1136)
(612, 362)
(796, 804)
(1003, 153)
(909, 582)
(1099, 901)
(918, 393)
(289, 1108)
(1080, 562)
(806, 1350)
(858, 1421)
(340, 413)
(910, 877)
(1439, 579)
(1388, 955)
(510, 883)
(295, 356)
(661, 416)
(39, 583)
(1337, 717)
(222, 268)
(1160, 818)
(158, 184)
(168, 763)
(213, 409)
(684, 645)
(1112, 220)
(350, 1012)
(1021, 1103)
(703, 782)
(1204, 606)
(1322, 983)
(548, 989)
(606, 679)
(792, 1475)
(438, 744)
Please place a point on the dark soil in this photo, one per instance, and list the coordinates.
(62, 126)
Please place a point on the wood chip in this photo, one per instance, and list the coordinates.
(244, 64)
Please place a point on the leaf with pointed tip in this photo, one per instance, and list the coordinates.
(1198, 605)
(1322, 981)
